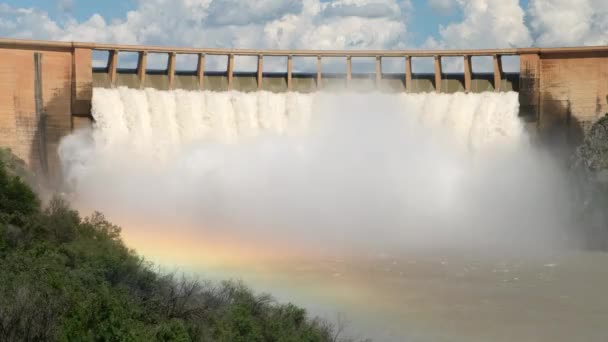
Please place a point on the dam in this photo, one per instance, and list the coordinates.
(47, 87)
(414, 200)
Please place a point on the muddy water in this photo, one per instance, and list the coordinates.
(428, 295)
(449, 297)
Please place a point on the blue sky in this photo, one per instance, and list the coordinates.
(424, 20)
(80, 9)
(312, 24)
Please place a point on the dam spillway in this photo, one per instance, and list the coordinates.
(241, 160)
(47, 87)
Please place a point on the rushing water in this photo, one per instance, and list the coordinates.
(429, 217)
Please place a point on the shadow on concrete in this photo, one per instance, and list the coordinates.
(558, 129)
(54, 123)
(563, 135)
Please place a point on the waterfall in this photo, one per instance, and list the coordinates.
(164, 122)
(381, 168)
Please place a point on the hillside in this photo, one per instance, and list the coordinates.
(68, 278)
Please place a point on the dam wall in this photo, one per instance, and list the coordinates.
(564, 90)
(46, 87)
(42, 88)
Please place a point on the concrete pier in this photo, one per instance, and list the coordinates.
(560, 89)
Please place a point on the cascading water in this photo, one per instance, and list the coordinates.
(164, 122)
(382, 170)
(422, 217)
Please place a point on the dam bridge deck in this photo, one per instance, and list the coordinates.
(46, 87)
(294, 80)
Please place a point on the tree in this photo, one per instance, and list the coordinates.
(68, 278)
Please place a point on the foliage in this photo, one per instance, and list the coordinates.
(67, 278)
(590, 174)
(593, 153)
(17, 167)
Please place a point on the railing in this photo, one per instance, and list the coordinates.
(24, 43)
(143, 51)
(407, 55)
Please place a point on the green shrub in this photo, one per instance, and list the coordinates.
(66, 278)
(17, 200)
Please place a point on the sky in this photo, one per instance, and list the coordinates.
(312, 24)
(306, 24)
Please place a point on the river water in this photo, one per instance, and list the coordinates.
(416, 296)
(427, 217)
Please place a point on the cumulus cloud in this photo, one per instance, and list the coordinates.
(502, 23)
(319, 24)
(442, 6)
(27, 23)
(235, 12)
(569, 22)
(486, 24)
(230, 23)
(65, 5)
(362, 8)
(276, 24)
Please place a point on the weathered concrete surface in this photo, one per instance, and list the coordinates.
(579, 83)
(82, 81)
(529, 83)
(66, 90)
(566, 92)
(18, 122)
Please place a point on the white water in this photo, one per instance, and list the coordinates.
(330, 170)
(423, 180)
(163, 123)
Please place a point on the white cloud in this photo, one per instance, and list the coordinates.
(500, 23)
(65, 5)
(235, 12)
(442, 6)
(317, 24)
(27, 23)
(569, 22)
(278, 24)
(229, 23)
(362, 8)
(486, 24)
(314, 29)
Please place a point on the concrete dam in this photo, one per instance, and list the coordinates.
(421, 201)
(47, 87)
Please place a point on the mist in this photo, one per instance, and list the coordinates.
(329, 172)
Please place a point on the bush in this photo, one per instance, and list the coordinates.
(66, 278)
(17, 200)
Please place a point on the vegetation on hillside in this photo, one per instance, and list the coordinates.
(590, 171)
(68, 278)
